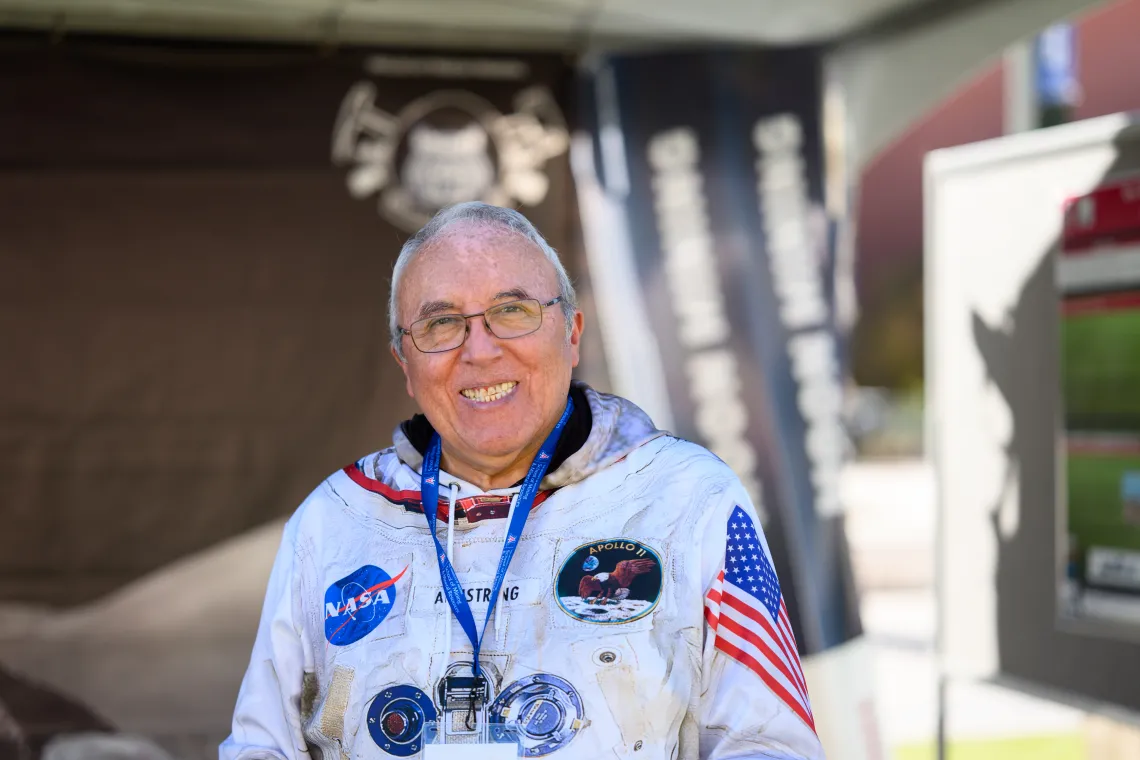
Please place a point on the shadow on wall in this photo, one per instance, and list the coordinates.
(1023, 363)
(30, 715)
(161, 658)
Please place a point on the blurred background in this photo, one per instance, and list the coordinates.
(878, 255)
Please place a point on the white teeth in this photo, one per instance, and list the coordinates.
(489, 393)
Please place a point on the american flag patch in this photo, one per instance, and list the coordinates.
(747, 613)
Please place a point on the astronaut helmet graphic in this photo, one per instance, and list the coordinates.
(447, 146)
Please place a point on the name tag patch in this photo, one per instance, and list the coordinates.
(515, 592)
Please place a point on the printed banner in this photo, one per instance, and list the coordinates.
(709, 193)
(196, 257)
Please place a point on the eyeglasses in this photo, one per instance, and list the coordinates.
(447, 332)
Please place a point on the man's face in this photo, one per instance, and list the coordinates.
(467, 269)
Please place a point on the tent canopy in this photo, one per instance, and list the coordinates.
(544, 24)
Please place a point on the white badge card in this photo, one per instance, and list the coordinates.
(471, 751)
(486, 742)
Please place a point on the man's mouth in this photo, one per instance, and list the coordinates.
(489, 393)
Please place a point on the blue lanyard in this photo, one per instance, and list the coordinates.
(429, 490)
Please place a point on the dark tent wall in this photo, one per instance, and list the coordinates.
(193, 292)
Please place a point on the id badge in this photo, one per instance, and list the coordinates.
(463, 731)
(486, 742)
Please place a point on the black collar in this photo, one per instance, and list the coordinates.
(419, 431)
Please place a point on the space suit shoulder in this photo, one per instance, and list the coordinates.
(693, 464)
(314, 509)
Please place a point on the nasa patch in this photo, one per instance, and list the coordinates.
(358, 603)
(615, 580)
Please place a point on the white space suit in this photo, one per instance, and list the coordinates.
(616, 634)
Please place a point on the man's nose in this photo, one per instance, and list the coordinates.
(481, 343)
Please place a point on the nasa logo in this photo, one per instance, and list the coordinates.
(447, 147)
(610, 581)
(358, 603)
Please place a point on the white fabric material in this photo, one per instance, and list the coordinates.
(499, 617)
(452, 492)
(654, 686)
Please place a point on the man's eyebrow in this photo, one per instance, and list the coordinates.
(431, 308)
(513, 293)
(435, 307)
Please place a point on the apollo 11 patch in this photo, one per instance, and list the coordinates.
(615, 580)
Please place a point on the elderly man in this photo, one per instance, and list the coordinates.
(612, 585)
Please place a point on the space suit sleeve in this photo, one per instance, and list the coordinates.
(267, 720)
(754, 699)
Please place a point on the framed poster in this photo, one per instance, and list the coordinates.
(1098, 277)
(1009, 241)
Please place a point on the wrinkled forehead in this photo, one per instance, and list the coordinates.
(472, 263)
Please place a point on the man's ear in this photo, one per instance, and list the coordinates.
(576, 337)
(404, 368)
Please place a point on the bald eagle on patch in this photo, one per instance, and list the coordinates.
(614, 585)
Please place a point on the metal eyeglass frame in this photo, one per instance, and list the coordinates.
(402, 331)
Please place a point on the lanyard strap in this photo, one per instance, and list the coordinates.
(429, 490)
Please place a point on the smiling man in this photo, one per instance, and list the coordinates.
(612, 586)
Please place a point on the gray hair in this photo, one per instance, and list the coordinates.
(484, 214)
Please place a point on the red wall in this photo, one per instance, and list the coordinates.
(890, 206)
(890, 203)
(1108, 60)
